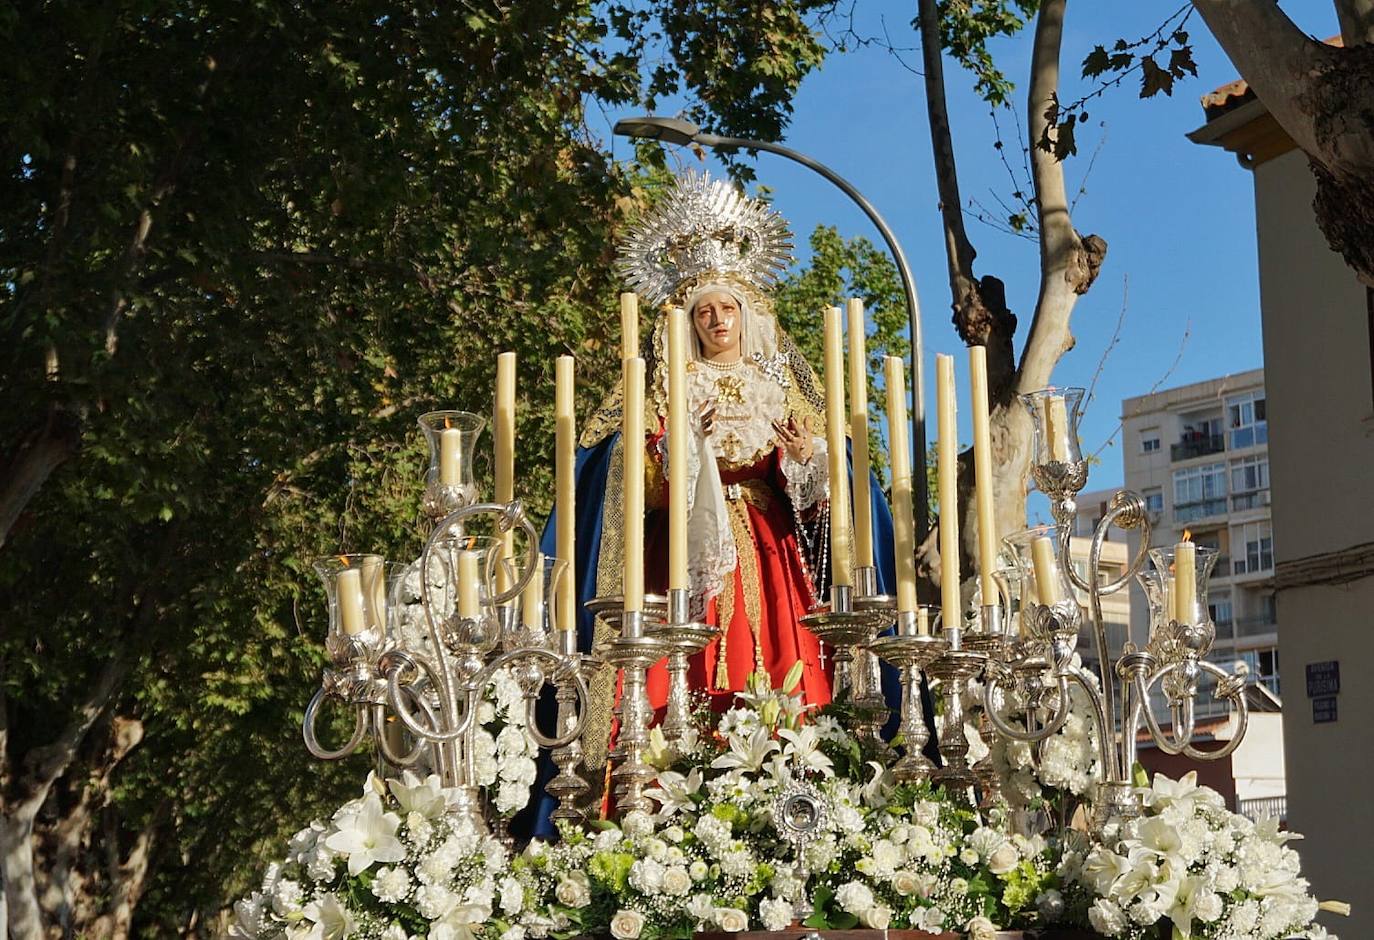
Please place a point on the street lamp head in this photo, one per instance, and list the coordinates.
(669, 130)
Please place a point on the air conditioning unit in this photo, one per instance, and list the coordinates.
(1264, 498)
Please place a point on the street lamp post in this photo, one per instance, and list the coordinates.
(681, 132)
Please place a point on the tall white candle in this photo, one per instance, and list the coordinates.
(469, 576)
(349, 588)
(632, 442)
(947, 463)
(677, 449)
(532, 599)
(982, 474)
(1185, 582)
(858, 430)
(1057, 427)
(374, 588)
(840, 561)
(503, 430)
(450, 456)
(565, 444)
(903, 518)
(1048, 585)
(629, 326)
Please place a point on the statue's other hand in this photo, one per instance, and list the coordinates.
(796, 440)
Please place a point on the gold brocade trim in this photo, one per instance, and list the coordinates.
(755, 493)
(596, 734)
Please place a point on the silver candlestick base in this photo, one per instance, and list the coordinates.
(954, 668)
(844, 629)
(911, 653)
(991, 642)
(869, 701)
(633, 653)
(683, 638)
(568, 786)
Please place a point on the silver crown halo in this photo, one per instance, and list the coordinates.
(704, 227)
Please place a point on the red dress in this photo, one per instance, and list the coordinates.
(761, 605)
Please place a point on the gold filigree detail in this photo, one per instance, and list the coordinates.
(730, 390)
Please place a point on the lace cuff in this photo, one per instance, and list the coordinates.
(807, 483)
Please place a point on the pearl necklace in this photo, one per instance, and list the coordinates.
(722, 366)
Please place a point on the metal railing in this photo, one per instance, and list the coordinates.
(1199, 446)
(1273, 806)
(1191, 512)
(1257, 499)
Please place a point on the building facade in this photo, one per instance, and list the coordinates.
(1318, 324)
(1199, 454)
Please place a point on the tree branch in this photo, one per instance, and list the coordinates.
(980, 307)
(1068, 264)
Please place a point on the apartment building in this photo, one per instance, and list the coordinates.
(1199, 455)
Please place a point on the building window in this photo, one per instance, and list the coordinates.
(1246, 421)
(1148, 445)
(1199, 491)
(1257, 548)
(1264, 666)
(1154, 500)
(1219, 609)
(1249, 474)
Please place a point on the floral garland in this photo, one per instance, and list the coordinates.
(397, 864)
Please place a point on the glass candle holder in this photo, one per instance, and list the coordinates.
(1043, 580)
(1185, 573)
(452, 439)
(356, 587)
(1055, 413)
(538, 602)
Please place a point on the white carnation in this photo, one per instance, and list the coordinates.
(854, 897)
(391, 884)
(775, 913)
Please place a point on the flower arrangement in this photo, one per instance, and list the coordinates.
(397, 863)
(1189, 867)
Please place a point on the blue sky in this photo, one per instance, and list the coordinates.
(1178, 218)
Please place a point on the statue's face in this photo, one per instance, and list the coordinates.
(717, 321)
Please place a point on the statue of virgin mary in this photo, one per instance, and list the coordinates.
(758, 491)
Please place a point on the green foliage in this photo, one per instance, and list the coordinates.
(839, 269)
(967, 27)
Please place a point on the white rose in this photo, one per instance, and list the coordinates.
(980, 928)
(574, 890)
(905, 883)
(775, 913)
(877, 917)
(676, 881)
(730, 919)
(626, 925)
(1003, 859)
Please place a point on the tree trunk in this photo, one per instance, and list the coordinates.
(25, 796)
(33, 462)
(1321, 96)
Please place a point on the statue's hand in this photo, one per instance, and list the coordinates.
(796, 440)
(706, 417)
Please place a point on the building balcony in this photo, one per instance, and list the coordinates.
(1199, 446)
(1202, 509)
(1258, 499)
(1257, 809)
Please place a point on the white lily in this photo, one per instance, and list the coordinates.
(425, 797)
(368, 836)
(675, 791)
(803, 747)
(331, 920)
(747, 753)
